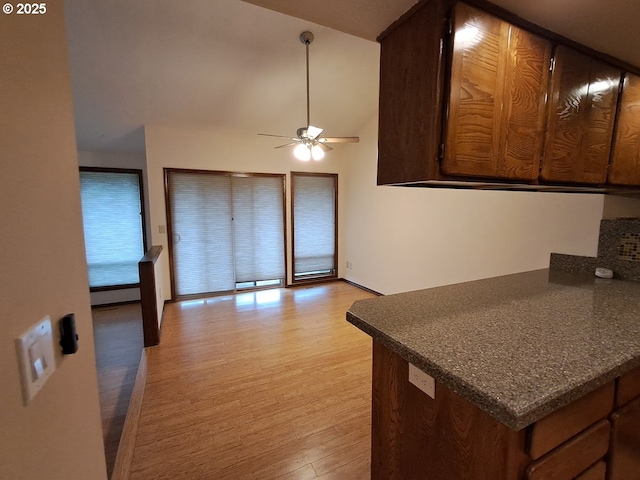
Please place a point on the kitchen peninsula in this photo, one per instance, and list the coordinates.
(537, 375)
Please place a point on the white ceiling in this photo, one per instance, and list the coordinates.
(232, 64)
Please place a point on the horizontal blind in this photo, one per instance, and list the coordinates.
(258, 228)
(112, 220)
(314, 213)
(202, 230)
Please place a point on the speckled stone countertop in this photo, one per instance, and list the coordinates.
(517, 346)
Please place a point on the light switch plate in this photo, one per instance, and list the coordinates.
(36, 358)
(423, 381)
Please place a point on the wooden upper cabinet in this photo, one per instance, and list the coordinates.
(625, 158)
(581, 114)
(499, 77)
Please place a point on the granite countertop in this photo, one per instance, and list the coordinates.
(517, 346)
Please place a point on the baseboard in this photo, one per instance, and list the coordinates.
(362, 287)
(124, 457)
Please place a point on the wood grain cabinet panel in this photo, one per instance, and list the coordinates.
(581, 114)
(624, 461)
(625, 158)
(499, 76)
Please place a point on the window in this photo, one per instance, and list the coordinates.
(226, 231)
(314, 198)
(112, 215)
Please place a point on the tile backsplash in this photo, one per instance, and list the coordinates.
(618, 250)
(628, 247)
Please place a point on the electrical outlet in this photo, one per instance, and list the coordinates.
(423, 381)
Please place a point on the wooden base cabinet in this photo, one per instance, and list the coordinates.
(449, 438)
(625, 442)
(417, 438)
(624, 459)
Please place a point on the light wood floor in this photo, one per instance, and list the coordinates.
(118, 339)
(261, 385)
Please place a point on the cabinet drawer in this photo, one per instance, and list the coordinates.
(561, 425)
(574, 457)
(628, 387)
(596, 472)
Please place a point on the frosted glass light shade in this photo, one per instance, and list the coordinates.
(302, 152)
(317, 153)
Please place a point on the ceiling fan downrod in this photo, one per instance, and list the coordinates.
(307, 38)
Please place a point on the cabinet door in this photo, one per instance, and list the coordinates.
(581, 113)
(499, 76)
(625, 159)
(624, 461)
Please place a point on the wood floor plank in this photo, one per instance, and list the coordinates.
(118, 341)
(273, 384)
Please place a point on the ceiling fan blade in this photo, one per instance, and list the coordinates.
(324, 147)
(278, 136)
(339, 140)
(287, 145)
(313, 132)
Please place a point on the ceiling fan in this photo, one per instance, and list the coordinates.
(307, 142)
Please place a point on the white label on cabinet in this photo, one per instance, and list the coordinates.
(423, 381)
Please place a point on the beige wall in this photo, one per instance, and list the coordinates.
(43, 271)
(401, 238)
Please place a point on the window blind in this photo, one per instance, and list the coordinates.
(314, 224)
(201, 228)
(258, 228)
(226, 230)
(112, 220)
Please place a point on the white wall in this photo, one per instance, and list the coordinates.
(218, 149)
(118, 160)
(58, 436)
(407, 238)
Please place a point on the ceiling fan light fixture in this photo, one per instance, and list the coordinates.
(308, 143)
(302, 152)
(317, 153)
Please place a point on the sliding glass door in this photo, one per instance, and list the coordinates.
(226, 230)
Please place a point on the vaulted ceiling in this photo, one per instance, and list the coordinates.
(239, 65)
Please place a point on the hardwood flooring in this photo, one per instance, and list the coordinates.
(117, 335)
(260, 385)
